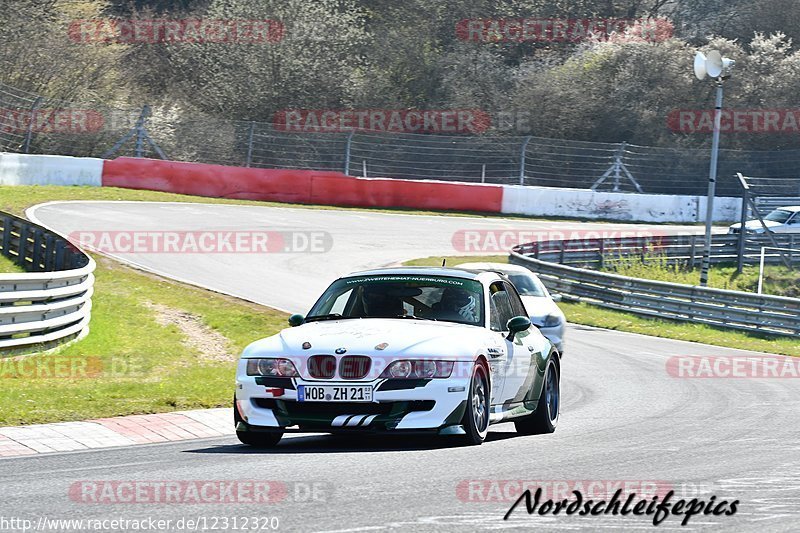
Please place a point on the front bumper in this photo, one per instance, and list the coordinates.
(270, 404)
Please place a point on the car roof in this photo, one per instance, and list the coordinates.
(419, 271)
(792, 208)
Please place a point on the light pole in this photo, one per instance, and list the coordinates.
(718, 68)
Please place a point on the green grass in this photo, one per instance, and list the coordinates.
(778, 280)
(142, 366)
(453, 260)
(590, 315)
(9, 266)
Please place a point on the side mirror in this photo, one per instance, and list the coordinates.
(296, 320)
(556, 297)
(516, 325)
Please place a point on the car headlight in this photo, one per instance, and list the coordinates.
(279, 367)
(418, 369)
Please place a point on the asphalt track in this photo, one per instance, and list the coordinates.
(624, 418)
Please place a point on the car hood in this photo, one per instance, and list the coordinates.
(540, 307)
(395, 337)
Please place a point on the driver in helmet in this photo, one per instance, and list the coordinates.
(457, 304)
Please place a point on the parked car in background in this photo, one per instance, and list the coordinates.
(540, 305)
(781, 220)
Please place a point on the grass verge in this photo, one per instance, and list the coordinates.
(9, 266)
(590, 315)
(155, 346)
(778, 280)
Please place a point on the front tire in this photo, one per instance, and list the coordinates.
(476, 416)
(545, 418)
(256, 440)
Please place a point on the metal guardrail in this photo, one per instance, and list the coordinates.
(51, 302)
(557, 264)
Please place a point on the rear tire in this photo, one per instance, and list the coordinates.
(251, 438)
(545, 418)
(476, 415)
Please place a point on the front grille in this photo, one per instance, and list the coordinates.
(354, 366)
(322, 366)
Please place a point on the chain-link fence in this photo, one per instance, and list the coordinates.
(30, 123)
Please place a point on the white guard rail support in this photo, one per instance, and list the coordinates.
(51, 302)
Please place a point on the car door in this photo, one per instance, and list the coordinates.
(521, 368)
(514, 356)
(499, 314)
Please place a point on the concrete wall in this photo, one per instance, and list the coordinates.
(583, 203)
(24, 169)
(334, 188)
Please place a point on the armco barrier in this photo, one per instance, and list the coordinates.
(297, 186)
(744, 311)
(49, 304)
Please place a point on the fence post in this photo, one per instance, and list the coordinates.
(347, 146)
(522, 160)
(483, 173)
(693, 241)
(742, 234)
(29, 133)
(602, 251)
(250, 144)
(139, 130)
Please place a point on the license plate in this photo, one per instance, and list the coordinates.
(334, 393)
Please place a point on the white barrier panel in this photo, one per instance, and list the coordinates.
(26, 169)
(584, 203)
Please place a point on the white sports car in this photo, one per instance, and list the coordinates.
(436, 350)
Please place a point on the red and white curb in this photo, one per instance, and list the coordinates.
(118, 431)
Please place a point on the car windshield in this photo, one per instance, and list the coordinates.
(402, 296)
(779, 215)
(527, 285)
